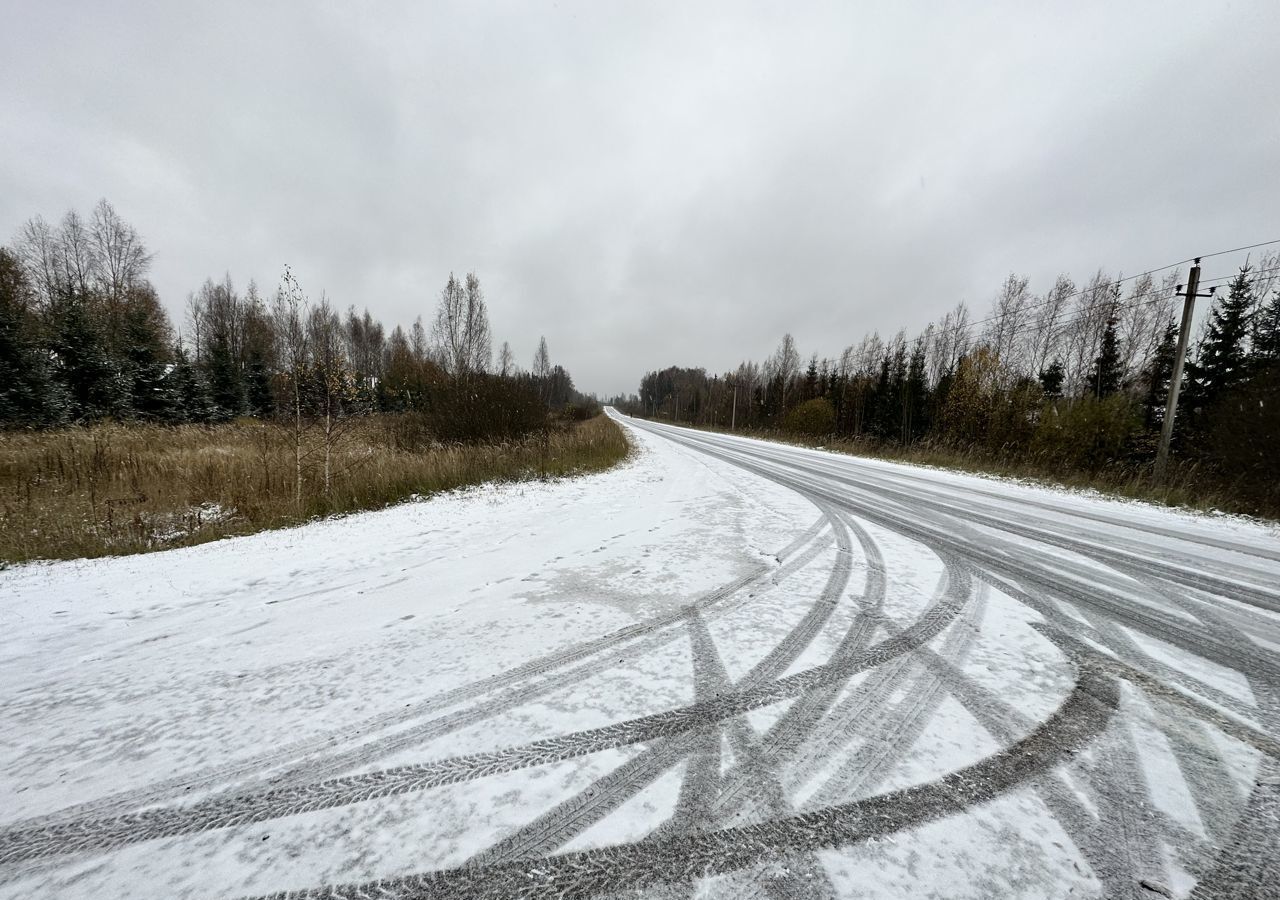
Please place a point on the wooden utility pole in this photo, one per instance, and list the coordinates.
(1179, 358)
(733, 421)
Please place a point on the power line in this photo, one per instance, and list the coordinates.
(1235, 250)
(1146, 299)
(1155, 297)
(1063, 298)
(1034, 325)
(1140, 300)
(1116, 283)
(1233, 276)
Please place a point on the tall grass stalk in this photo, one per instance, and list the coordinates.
(1185, 485)
(114, 489)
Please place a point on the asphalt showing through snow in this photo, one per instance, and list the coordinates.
(758, 808)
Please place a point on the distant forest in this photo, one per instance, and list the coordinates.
(84, 338)
(1074, 380)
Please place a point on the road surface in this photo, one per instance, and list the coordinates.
(730, 669)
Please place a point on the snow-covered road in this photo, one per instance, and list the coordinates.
(728, 668)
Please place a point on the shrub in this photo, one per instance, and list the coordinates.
(482, 408)
(816, 417)
(1088, 434)
(580, 412)
(1238, 438)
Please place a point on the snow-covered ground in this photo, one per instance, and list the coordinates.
(726, 668)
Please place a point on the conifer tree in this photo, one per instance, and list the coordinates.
(1221, 359)
(1051, 379)
(259, 397)
(28, 396)
(811, 379)
(1158, 374)
(93, 382)
(1266, 331)
(152, 396)
(1107, 372)
(226, 387)
(915, 401)
(193, 404)
(145, 356)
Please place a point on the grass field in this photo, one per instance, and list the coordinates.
(112, 489)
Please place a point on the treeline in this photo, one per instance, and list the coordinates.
(84, 338)
(1074, 380)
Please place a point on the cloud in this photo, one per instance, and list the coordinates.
(649, 184)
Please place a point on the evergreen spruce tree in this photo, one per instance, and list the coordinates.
(146, 358)
(880, 405)
(226, 387)
(1266, 332)
(92, 380)
(1105, 377)
(257, 385)
(811, 379)
(188, 384)
(916, 400)
(1221, 362)
(1158, 375)
(28, 396)
(1051, 379)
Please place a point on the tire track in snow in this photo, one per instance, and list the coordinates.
(1228, 647)
(1113, 780)
(895, 730)
(719, 602)
(222, 812)
(914, 514)
(785, 737)
(572, 816)
(177, 787)
(686, 857)
(1136, 559)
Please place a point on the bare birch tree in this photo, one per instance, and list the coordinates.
(293, 350)
(1046, 330)
(952, 342)
(1094, 306)
(329, 382)
(1138, 326)
(121, 258)
(785, 365)
(461, 328)
(76, 255)
(37, 248)
(1007, 322)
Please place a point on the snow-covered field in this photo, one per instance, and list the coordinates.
(727, 668)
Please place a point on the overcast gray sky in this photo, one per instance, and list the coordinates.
(649, 183)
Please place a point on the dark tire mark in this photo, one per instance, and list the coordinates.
(900, 727)
(223, 812)
(606, 794)
(686, 857)
(194, 782)
(1249, 866)
(1021, 570)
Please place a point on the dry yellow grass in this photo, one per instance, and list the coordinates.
(111, 489)
(1186, 484)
